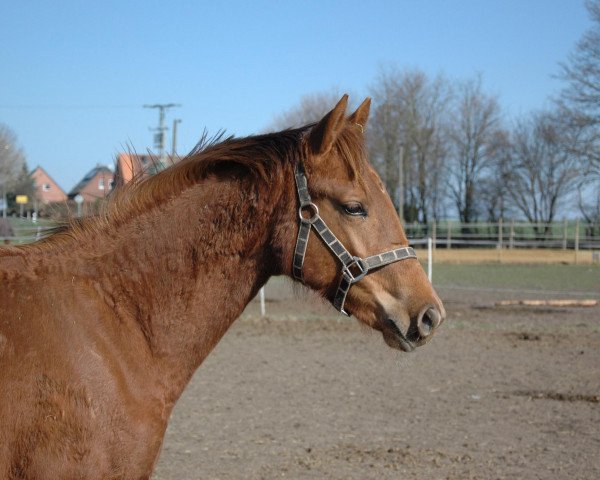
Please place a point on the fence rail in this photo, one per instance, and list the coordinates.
(507, 234)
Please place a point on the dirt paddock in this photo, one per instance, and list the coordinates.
(500, 392)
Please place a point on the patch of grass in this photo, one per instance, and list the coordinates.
(584, 278)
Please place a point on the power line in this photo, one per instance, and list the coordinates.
(66, 107)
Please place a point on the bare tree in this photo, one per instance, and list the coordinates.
(410, 118)
(12, 158)
(423, 104)
(311, 108)
(493, 197)
(588, 200)
(589, 206)
(543, 172)
(385, 130)
(14, 177)
(579, 101)
(473, 141)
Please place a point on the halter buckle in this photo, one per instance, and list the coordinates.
(355, 270)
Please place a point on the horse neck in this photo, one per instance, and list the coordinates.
(184, 271)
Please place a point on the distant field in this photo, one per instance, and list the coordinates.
(526, 271)
(558, 278)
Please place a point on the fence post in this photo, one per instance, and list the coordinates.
(429, 259)
(449, 235)
(262, 302)
(500, 233)
(576, 241)
(434, 233)
(511, 238)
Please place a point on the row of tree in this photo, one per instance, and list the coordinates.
(14, 174)
(459, 158)
(444, 148)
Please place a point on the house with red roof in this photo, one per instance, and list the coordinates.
(46, 189)
(94, 186)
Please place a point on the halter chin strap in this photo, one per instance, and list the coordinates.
(353, 268)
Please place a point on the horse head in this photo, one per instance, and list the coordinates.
(358, 257)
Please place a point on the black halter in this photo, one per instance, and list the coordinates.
(353, 268)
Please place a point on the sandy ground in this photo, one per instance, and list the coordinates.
(500, 392)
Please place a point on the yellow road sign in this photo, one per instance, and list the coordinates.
(21, 199)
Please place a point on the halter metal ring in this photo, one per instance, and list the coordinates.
(309, 208)
(359, 264)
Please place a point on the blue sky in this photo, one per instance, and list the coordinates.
(75, 74)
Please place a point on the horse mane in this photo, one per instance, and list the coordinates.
(258, 155)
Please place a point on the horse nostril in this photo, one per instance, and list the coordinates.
(428, 321)
(425, 326)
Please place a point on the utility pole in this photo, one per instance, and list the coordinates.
(159, 136)
(174, 141)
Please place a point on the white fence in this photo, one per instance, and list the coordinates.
(507, 234)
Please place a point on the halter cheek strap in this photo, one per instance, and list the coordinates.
(354, 268)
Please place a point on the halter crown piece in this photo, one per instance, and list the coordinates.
(353, 268)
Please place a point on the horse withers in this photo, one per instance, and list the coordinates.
(103, 323)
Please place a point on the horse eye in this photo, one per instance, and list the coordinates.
(355, 208)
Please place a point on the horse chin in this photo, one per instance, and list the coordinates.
(394, 337)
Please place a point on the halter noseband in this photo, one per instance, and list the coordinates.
(353, 268)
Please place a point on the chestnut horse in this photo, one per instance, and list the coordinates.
(103, 323)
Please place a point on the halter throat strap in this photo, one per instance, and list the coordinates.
(354, 268)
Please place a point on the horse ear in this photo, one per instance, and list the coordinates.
(361, 115)
(324, 134)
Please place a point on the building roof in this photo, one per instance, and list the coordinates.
(93, 173)
(43, 171)
(40, 176)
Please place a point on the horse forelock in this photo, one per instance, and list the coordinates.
(351, 148)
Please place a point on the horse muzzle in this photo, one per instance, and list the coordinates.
(420, 328)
